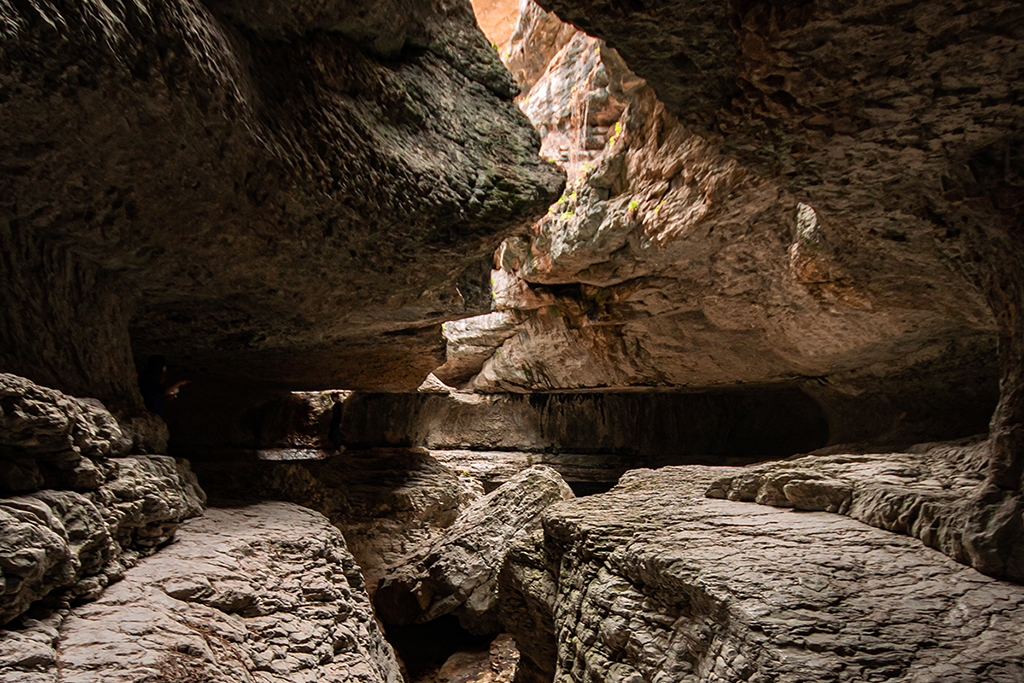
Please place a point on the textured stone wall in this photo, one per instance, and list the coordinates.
(253, 187)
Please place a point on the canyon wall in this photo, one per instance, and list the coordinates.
(297, 194)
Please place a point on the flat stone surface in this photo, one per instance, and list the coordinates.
(935, 492)
(655, 582)
(263, 593)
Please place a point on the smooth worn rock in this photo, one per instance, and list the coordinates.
(457, 573)
(653, 581)
(385, 501)
(263, 593)
(932, 493)
(74, 544)
(299, 192)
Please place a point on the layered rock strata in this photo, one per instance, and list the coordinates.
(457, 573)
(667, 264)
(623, 587)
(292, 192)
(88, 506)
(900, 127)
(263, 593)
(926, 494)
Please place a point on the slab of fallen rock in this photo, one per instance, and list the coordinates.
(934, 492)
(653, 581)
(457, 573)
(264, 593)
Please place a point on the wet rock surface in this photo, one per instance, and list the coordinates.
(928, 494)
(457, 573)
(653, 581)
(262, 593)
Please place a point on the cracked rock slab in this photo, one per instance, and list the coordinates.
(935, 492)
(654, 582)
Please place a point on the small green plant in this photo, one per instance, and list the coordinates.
(634, 203)
(658, 207)
(616, 134)
(567, 215)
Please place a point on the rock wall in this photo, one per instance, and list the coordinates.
(262, 593)
(85, 504)
(898, 127)
(296, 193)
(668, 264)
(624, 587)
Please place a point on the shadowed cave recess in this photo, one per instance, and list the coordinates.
(523, 342)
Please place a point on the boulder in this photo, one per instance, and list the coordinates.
(457, 573)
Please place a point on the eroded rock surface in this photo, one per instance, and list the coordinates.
(77, 543)
(653, 581)
(265, 189)
(263, 593)
(457, 573)
(928, 493)
(386, 501)
(51, 440)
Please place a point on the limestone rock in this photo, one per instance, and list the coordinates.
(252, 188)
(385, 501)
(927, 493)
(900, 127)
(63, 540)
(265, 593)
(653, 581)
(49, 439)
(497, 664)
(458, 572)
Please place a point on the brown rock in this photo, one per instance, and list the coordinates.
(256, 207)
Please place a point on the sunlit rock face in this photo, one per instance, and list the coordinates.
(901, 124)
(289, 191)
(667, 263)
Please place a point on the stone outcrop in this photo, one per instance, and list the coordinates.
(625, 586)
(667, 264)
(285, 191)
(78, 543)
(51, 440)
(457, 573)
(85, 503)
(385, 501)
(263, 593)
(927, 493)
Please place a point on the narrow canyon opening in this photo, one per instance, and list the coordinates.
(511, 342)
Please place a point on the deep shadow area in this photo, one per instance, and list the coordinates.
(423, 648)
